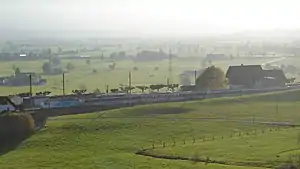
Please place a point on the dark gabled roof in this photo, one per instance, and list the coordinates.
(276, 74)
(242, 70)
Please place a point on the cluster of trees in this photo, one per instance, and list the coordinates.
(290, 69)
(212, 78)
(44, 93)
(54, 66)
(155, 87)
(79, 91)
(27, 94)
(112, 66)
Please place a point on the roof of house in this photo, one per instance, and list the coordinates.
(275, 73)
(244, 70)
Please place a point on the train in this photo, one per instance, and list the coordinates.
(122, 100)
(138, 99)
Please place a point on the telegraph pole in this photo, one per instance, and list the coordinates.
(170, 67)
(107, 89)
(129, 81)
(30, 85)
(63, 84)
(195, 77)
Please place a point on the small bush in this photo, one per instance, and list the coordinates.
(15, 127)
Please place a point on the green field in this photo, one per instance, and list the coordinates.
(83, 76)
(110, 139)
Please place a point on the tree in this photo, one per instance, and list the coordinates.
(88, 61)
(44, 93)
(79, 91)
(46, 68)
(157, 87)
(135, 68)
(95, 71)
(17, 71)
(59, 50)
(97, 91)
(114, 90)
(291, 69)
(173, 86)
(70, 66)
(291, 80)
(212, 78)
(142, 88)
(112, 66)
(55, 61)
(126, 89)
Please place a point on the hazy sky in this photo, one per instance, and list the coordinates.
(151, 16)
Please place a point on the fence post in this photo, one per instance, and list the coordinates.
(153, 146)
(164, 144)
(183, 142)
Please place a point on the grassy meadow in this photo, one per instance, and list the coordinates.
(83, 76)
(110, 139)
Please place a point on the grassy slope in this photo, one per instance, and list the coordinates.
(262, 149)
(82, 75)
(85, 141)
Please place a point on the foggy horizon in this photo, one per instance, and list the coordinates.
(188, 18)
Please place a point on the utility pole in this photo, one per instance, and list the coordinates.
(107, 89)
(195, 77)
(30, 91)
(63, 83)
(129, 81)
(30, 85)
(170, 67)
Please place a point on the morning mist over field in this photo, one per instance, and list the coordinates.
(149, 84)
